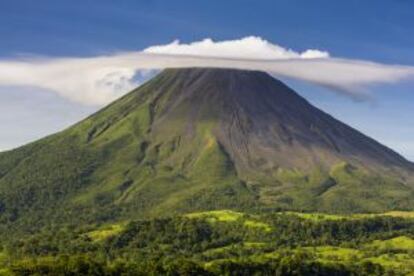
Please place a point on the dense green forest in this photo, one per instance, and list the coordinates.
(219, 242)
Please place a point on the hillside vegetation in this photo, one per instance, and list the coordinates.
(194, 140)
(220, 242)
(206, 171)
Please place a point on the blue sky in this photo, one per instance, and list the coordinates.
(380, 31)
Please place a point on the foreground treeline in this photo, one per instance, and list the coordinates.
(88, 265)
(218, 243)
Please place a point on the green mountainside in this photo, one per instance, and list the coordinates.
(207, 172)
(201, 139)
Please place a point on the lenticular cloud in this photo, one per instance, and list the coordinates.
(249, 47)
(101, 79)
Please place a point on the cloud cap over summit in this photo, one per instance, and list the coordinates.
(101, 79)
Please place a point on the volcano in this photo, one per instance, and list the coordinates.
(201, 139)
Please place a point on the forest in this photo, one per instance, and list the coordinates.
(219, 242)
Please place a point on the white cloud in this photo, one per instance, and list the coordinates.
(249, 47)
(88, 80)
(99, 80)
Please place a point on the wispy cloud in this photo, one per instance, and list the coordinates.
(99, 80)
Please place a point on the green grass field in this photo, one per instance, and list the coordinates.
(324, 216)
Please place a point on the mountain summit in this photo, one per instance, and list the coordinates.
(261, 123)
(199, 139)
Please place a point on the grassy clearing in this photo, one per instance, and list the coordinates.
(333, 253)
(258, 224)
(323, 216)
(401, 262)
(106, 232)
(230, 216)
(400, 214)
(316, 216)
(217, 215)
(399, 243)
(221, 215)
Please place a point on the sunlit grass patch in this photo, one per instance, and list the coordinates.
(317, 216)
(258, 224)
(324, 216)
(400, 262)
(336, 253)
(217, 215)
(398, 243)
(230, 216)
(400, 214)
(106, 232)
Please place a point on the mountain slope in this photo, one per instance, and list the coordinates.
(195, 139)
